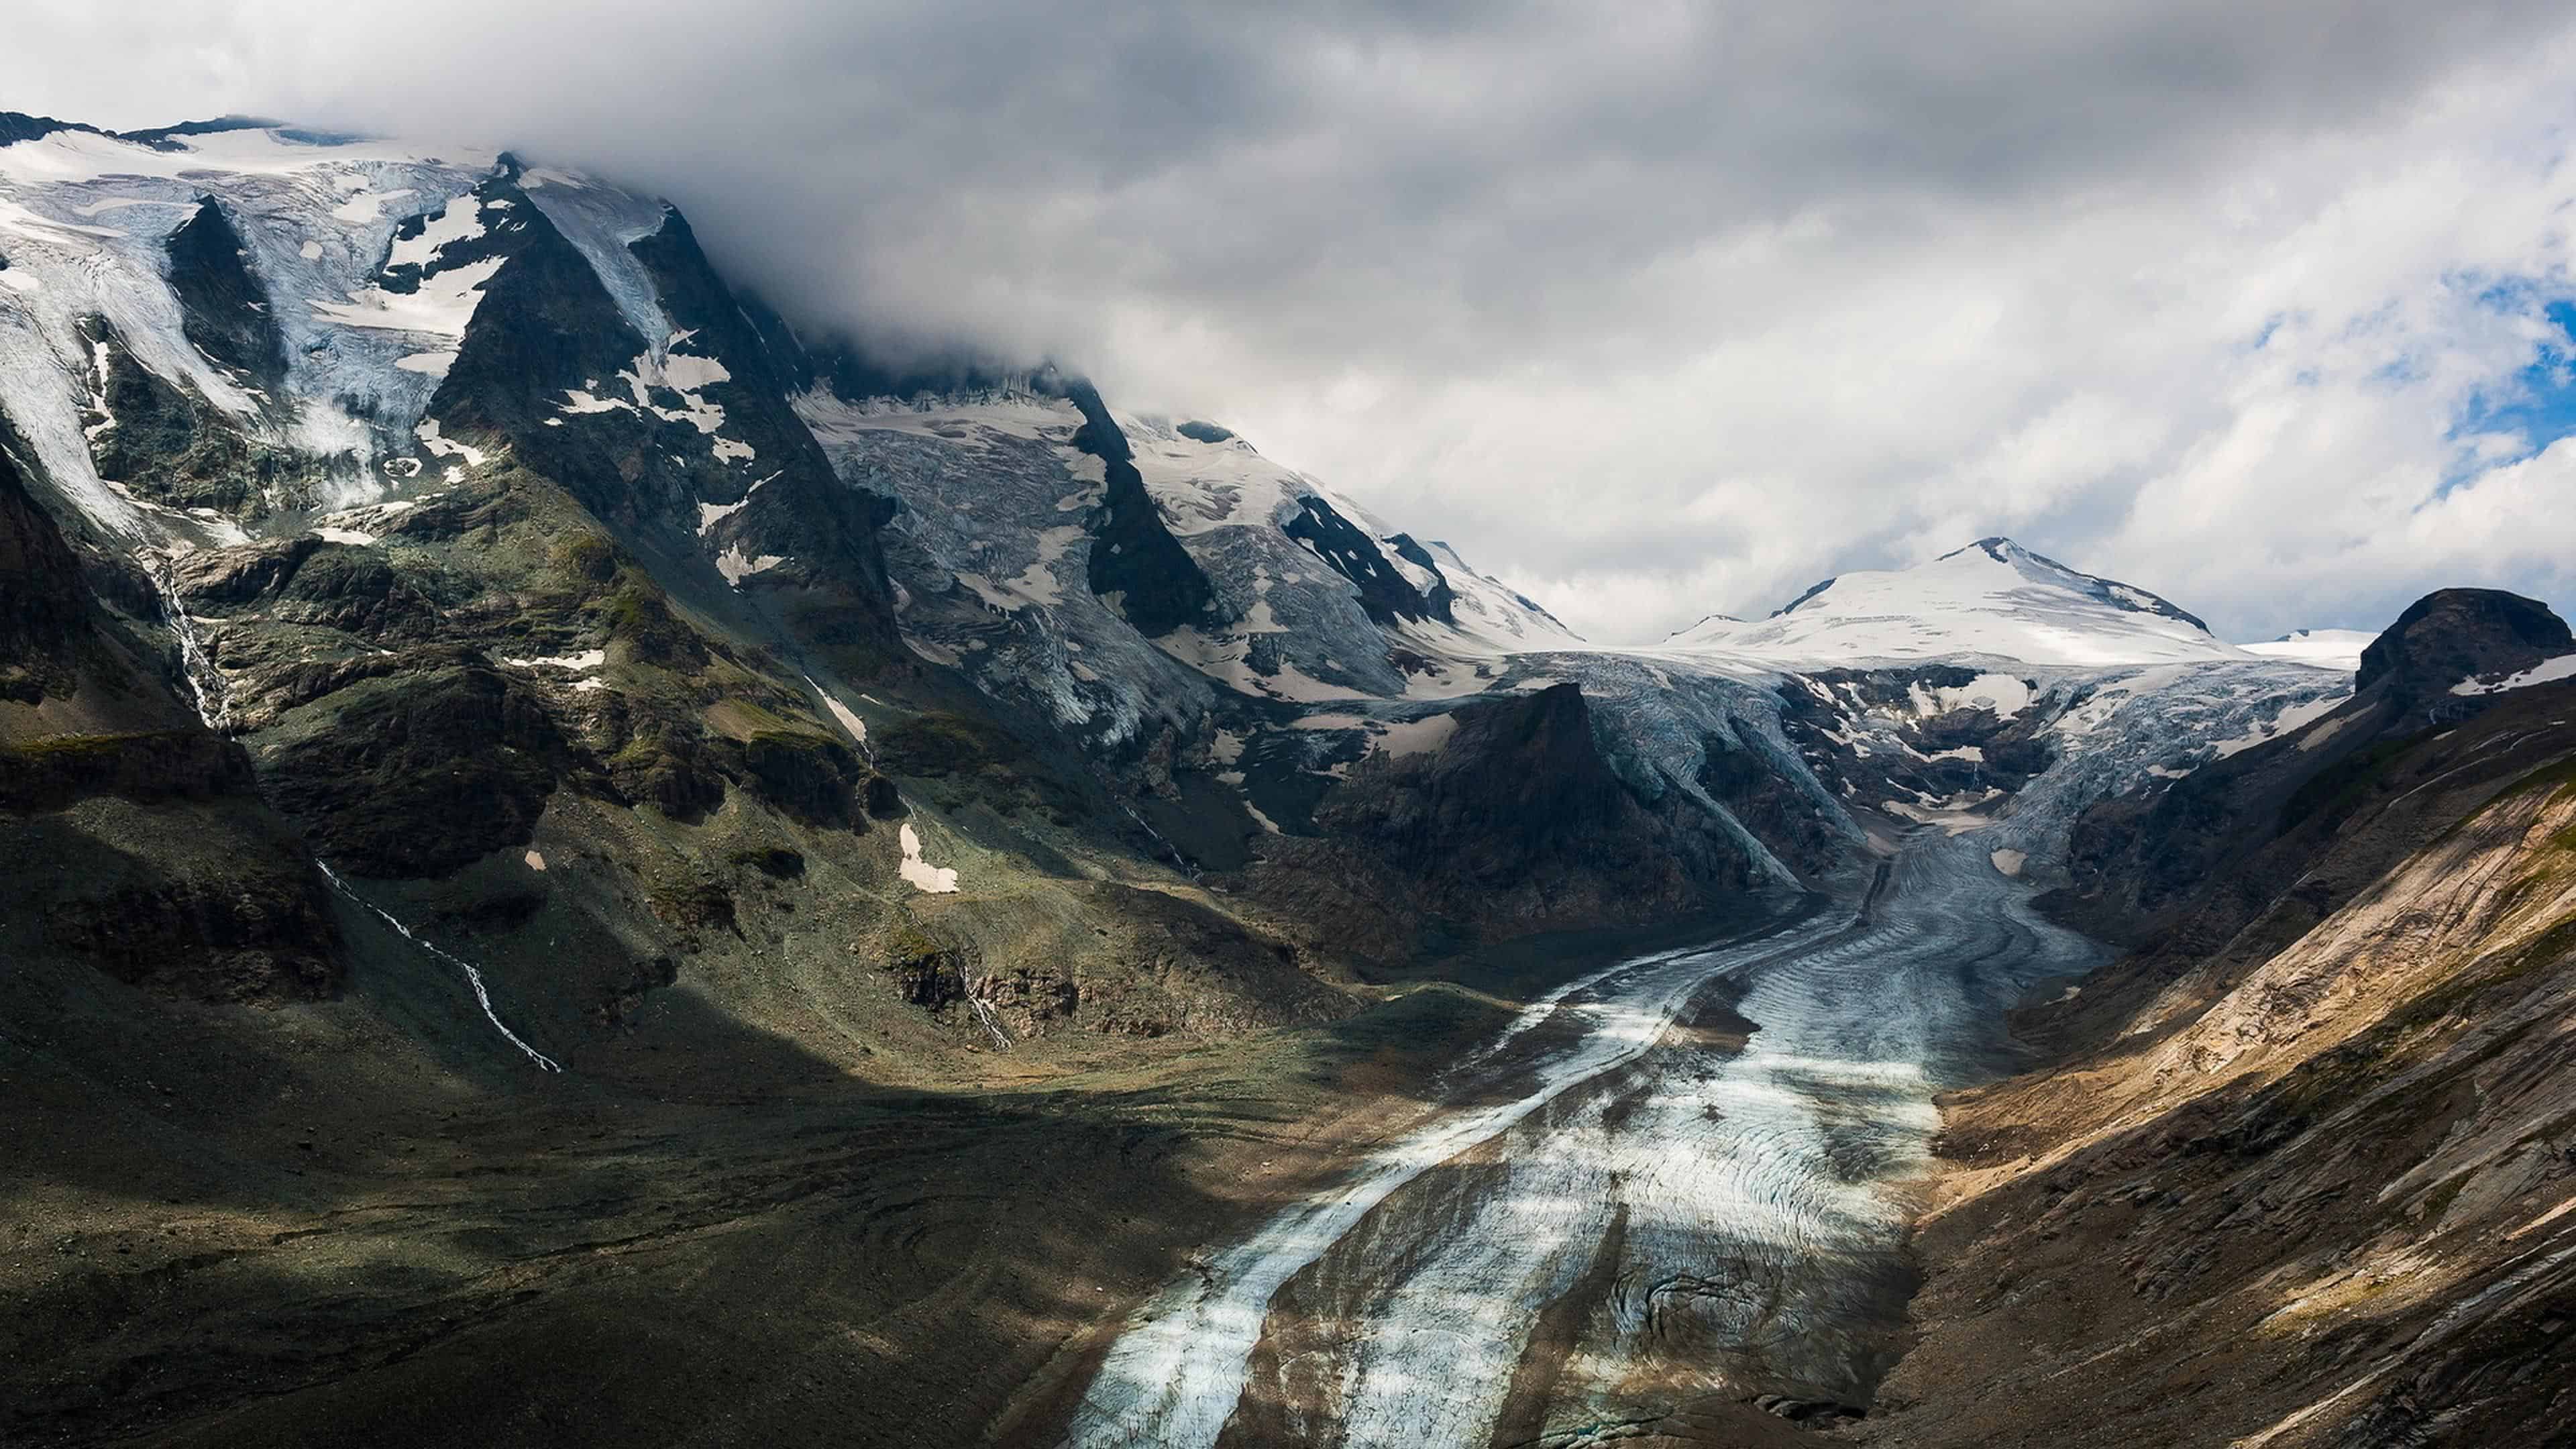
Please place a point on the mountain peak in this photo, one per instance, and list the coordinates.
(2452, 635)
(1993, 598)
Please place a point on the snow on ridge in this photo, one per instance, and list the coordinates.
(2324, 648)
(85, 217)
(602, 223)
(1201, 486)
(1989, 600)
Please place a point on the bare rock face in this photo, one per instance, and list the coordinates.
(1519, 806)
(130, 834)
(44, 610)
(1517, 780)
(260, 931)
(1158, 585)
(2454, 634)
(2218, 845)
(425, 775)
(2334, 1140)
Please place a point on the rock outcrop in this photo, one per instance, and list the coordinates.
(2224, 842)
(2298, 1171)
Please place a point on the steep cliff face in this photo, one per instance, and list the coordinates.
(2299, 1171)
(1135, 562)
(2457, 634)
(132, 837)
(2189, 862)
(1504, 817)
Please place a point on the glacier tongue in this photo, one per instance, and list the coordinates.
(1697, 1218)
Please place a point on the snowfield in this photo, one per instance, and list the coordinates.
(2324, 648)
(84, 221)
(1992, 599)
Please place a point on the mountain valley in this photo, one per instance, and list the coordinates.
(585, 861)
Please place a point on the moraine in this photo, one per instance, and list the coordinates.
(1626, 1208)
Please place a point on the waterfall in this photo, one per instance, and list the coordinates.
(984, 1013)
(205, 681)
(1188, 867)
(473, 977)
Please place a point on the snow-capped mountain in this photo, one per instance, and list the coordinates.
(252, 358)
(1993, 599)
(1300, 596)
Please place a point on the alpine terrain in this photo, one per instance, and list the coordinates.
(584, 861)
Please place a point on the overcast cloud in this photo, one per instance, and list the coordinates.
(1655, 309)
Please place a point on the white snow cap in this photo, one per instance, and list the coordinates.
(1993, 598)
(2324, 648)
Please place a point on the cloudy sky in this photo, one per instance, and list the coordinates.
(1656, 309)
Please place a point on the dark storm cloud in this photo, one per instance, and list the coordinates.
(1664, 307)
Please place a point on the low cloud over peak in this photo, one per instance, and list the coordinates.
(2250, 305)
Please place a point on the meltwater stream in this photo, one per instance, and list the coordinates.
(1623, 1214)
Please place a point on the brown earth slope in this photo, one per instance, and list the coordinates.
(2315, 1186)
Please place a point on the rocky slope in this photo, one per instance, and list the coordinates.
(2298, 1170)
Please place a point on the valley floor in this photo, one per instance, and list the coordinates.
(1645, 1193)
(1665, 1194)
(320, 1236)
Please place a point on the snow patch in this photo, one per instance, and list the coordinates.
(1416, 737)
(441, 306)
(736, 565)
(581, 663)
(933, 879)
(2548, 671)
(439, 446)
(849, 718)
(2281, 724)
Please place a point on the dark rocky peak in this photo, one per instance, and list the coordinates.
(2451, 635)
(655, 440)
(1156, 584)
(797, 507)
(1385, 592)
(500, 236)
(168, 138)
(1519, 813)
(17, 126)
(1791, 606)
(755, 389)
(1199, 432)
(1516, 775)
(546, 326)
(224, 308)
